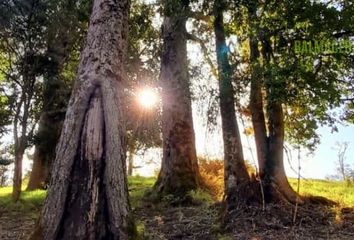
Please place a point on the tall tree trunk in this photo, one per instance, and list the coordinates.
(179, 171)
(257, 108)
(38, 174)
(235, 168)
(21, 140)
(88, 195)
(44, 153)
(269, 144)
(275, 165)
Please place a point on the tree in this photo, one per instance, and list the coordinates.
(179, 170)
(22, 45)
(343, 169)
(235, 172)
(88, 195)
(291, 93)
(66, 26)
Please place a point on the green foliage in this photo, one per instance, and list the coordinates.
(309, 86)
(200, 197)
(143, 66)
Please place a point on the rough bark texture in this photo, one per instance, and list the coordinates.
(179, 171)
(235, 168)
(88, 196)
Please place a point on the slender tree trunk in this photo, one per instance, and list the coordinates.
(21, 141)
(257, 108)
(179, 171)
(17, 179)
(88, 195)
(235, 168)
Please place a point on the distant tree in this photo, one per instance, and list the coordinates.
(291, 93)
(179, 170)
(66, 28)
(88, 194)
(22, 46)
(344, 171)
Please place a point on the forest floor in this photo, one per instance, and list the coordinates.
(203, 221)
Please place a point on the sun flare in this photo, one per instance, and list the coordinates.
(147, 97)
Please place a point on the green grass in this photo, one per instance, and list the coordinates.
(28, 202)
(334, 190)
(137, 187)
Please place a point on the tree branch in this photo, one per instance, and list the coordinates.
(200, 16)
(205, 52)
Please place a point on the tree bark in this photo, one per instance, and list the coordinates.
(21, 123)
(275, 165)
(44, 154)
(88, 195)
(17, 179)
(269, 142)
(235, 168)
(38, 174)
(257, 108)
(179, 171)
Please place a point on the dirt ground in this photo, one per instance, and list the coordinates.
(204, 222)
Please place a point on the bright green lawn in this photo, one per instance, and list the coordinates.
(334, 190)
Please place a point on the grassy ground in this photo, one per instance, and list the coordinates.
(337, 191)
(194, 222)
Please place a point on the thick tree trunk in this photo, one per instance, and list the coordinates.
(235, 168)
(44, 154)
(88, 195)
(38, 174)
(275, 165)
(179, 171)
